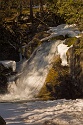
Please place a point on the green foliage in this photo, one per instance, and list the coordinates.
(70, 10)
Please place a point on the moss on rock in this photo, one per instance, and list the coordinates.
(71, 41)
(53, 81)
(60, 37)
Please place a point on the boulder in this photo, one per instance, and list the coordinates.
(2, 121)
(4, 72)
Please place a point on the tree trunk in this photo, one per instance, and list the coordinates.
(20, 7)
(31, 11)
(41, 6)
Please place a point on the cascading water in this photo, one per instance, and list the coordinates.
(33, 72)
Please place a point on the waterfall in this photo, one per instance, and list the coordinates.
(33, 72)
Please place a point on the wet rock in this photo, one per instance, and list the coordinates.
(4, 73)
(49, 86)
(2, 121)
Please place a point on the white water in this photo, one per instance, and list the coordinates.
(62, 50)
(57, 112)
(63, 29)
(9, 64)
(34, 71)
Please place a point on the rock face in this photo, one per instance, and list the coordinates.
(75, 56)
(81, 64)
(3, 79)
(66, 81)
(5, 72)
(2, 121)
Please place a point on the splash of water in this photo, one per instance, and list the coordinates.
(33, 73)
(62, 50)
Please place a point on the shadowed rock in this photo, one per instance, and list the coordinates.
(2, 121)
